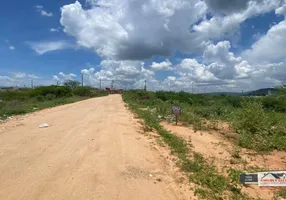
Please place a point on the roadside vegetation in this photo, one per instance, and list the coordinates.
(210, 184)
(259, 122)
(23, 101)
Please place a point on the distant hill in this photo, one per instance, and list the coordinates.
(226, 93)
(261, 92)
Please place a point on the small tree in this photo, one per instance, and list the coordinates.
(71, 84)
(282, 89)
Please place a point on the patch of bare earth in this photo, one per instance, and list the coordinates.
(218, 150)
(93, 149)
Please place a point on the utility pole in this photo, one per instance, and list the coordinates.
(82, 79)
(100, 83)
(145, 86)
(32, 84)
(112, 82)
(57, 83)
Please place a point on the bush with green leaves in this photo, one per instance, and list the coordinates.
(83, 91)
(15, 95)
(258, 129)
(50, 97)
(58, 91)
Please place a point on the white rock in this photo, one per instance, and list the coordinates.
(44, 125)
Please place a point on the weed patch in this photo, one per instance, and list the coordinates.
(210, 184)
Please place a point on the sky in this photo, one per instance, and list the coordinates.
(190, 45)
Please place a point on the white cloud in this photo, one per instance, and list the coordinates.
(45, 13)
(41, 10)
(130, 74)
(135, 30)
(48, 46)
(56, 78)
(19, 75)
(124, 33)
(55, 29)
(66, 77)
(32, 76)
(270, 47)
(11, 48)
(281, 10)
(191, 69)
(166, 65)
(220, 26)
(7, 81)
(39, 7)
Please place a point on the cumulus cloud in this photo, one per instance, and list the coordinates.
(166, 65)
(32, 76)
(56, 78)
(281, 10)
(220, 26)
(47, 46)
(197, 72)
(130, 74)
(270, 47)
(41, 10)
(135, 30)
(7, 81)
(62, 77)
(66, 77)
(21, 75)
(125, 33)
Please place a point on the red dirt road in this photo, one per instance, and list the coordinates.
(92, 150)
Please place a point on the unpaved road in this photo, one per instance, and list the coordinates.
(92, 150)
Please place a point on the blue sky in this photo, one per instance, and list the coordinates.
(170, 45)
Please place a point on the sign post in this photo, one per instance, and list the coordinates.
(176, 111)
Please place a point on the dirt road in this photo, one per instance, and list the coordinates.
(92, 150)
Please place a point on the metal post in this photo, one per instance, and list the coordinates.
(112, 82)
(81, 79)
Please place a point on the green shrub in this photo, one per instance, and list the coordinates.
(50, 97)
(83, 91)
(276, 103)
(251, 119)
(58, 91)
(40, 98)
(258, 129)
(14, 95)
